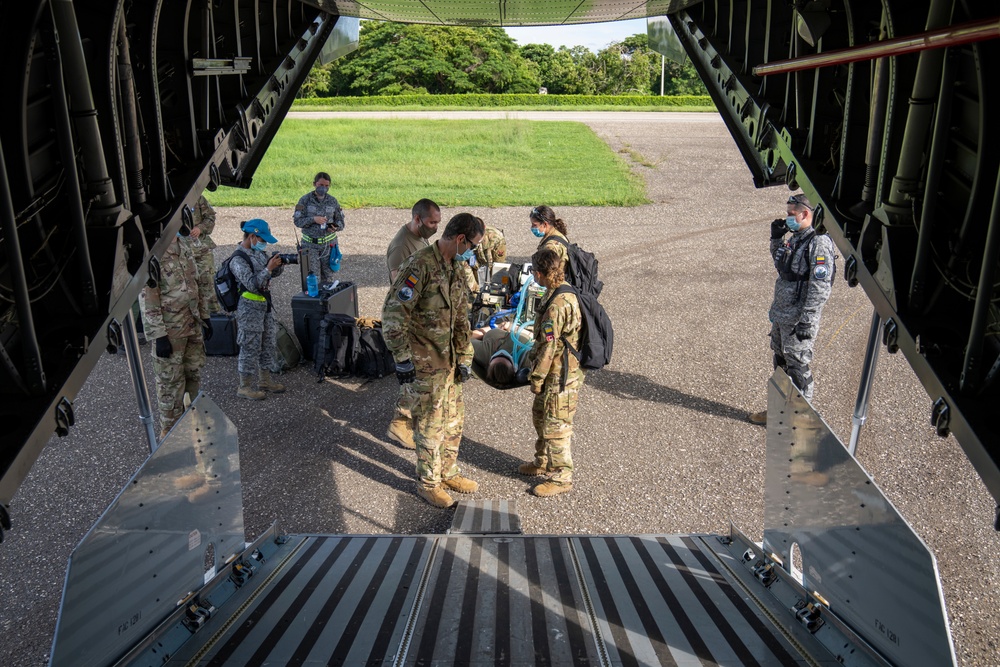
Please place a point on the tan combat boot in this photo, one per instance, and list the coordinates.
(759, 418)
(247, 389)
(547, 489)
(530, 469)
(401, 431)
(461, 484)
(267, 383)
(436, 496)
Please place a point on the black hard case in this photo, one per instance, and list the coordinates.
(308, 312)
(223, 341)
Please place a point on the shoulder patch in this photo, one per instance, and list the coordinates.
(404, 294)
(411, 281)
(820, 272)
(548, 331)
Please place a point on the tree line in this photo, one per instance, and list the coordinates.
(401, 59)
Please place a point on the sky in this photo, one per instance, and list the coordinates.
(595, 36)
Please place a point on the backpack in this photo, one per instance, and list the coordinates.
(287, 354)
(374, 359)
(337, 347)
(597, 337)
(227, 288)
(582, 269)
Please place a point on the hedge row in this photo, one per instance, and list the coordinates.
(509, 100)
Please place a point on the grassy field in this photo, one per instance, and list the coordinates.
(456, 163)
(511, 107)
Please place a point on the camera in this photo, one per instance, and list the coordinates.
(288, 257)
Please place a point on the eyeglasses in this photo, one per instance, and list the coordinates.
(794, 199)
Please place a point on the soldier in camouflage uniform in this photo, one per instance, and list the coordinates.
(493, 249)
(425, 321)
(550, 229)
(174, 314)
(805, 265)
(319, 216)
(257, 332)
(202, 245)
(556, 377)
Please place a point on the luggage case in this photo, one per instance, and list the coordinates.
(223, 341)
(308, 312)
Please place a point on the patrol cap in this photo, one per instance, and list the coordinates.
(259, 228)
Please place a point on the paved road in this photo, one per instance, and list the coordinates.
(661, 444)
(644, 117)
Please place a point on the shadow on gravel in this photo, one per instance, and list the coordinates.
(634, 387)
(488, 458)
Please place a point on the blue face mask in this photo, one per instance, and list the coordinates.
(262, 246)
(792, 223)
(465, 256)
(322, 189)
(537, 232)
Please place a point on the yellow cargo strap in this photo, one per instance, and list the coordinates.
(253, 297)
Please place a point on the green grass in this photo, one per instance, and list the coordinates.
(510, 102)
(514, 107)
(456, 163)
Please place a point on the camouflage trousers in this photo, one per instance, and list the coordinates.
(319, 261)
(552, 415)
(406, 402)
(178, 373)
(793, 356)
(438, 415)
(205, 261)
(257, 336)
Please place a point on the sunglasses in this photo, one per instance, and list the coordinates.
(794, 199)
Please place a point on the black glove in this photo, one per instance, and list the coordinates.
(206, 329)
(405, 372)
(163, 347)
(522, 375)
(462, 373)
(778, 228)
(803, 331)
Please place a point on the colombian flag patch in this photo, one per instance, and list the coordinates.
(411, 282)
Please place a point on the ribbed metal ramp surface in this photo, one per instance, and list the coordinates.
(493, 599)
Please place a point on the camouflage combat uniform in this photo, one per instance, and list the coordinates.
(204, 220)
(555, 395)
(425, 318)
(175, 309)
(805, 265)
(316, 240)
(492, 249)
(549, 241)
(257, 331)
(402, 246)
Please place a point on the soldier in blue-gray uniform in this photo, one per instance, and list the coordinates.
(806, 265)
(319, 216)
(257, 330)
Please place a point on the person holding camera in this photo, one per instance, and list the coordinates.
(806, 265)
(175, 316)
(257, 331)
(319, 216)
(425, 322)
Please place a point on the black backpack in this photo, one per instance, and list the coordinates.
(227, 288)
(337, 347)
(597, 337)
(582, 269)
(374, 359)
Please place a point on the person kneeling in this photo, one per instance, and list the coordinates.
(556, 377)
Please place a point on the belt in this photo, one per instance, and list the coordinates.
(320, 239)
(253, 297)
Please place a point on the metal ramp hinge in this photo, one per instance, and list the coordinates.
(196, 615)
(809, 615)
(765, 574)
(242, 571)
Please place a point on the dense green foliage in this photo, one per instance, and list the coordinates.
(413, 59)
(480, 100)
(455, 163)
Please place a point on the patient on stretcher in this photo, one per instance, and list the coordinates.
(495, 352)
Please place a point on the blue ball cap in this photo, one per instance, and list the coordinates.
(260, 228)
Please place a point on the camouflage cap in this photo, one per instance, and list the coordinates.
(259, 228)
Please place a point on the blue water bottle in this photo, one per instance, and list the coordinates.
(312, 284)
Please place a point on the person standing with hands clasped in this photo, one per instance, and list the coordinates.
(257, 331)
(175, 315)
(425, 321)
(556, 376)
(806, 265)
(319, 216)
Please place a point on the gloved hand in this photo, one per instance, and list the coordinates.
(522, 375)
(405, 372)
(803, 331)
(206, 329)
(163, 347)
(462, 373)
(778, 228)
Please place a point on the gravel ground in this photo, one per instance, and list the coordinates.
(661, 444)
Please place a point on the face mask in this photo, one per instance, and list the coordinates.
(322, 189)
(537, 232)
(792, 224)
(465, 256)
(425, 232)
(262, 246)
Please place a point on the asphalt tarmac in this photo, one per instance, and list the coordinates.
(661, 442)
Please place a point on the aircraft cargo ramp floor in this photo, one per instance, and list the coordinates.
(499, 599)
